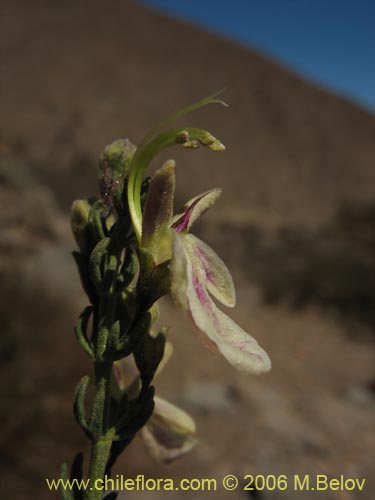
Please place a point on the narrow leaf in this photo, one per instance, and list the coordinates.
(79, 405)
(81, 331)
(96, 263)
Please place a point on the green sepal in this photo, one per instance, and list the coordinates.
(84, 274)
(96, 264)
(154, 281)
(147, 264)
(81, 331)
(79, 406)
(148, 355)
(159, 282)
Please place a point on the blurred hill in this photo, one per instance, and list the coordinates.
(76, 75)
(295, 223)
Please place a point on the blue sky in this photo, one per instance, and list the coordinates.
(329, 42)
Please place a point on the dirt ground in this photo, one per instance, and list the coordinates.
(77, 75)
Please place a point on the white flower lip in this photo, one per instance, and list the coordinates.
(217, 331)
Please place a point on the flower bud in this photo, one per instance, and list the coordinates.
(118, 155)
(114, 165)
(170, 432)
(80, 225)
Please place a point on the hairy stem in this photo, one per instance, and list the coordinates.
(100, 449)
(99, 419)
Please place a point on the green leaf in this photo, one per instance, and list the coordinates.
(96, 264)
(96, 221)
(76, 472)
(121, 232)
(84, 274)
(81, 331)
(79, 406)
(110, 272)
(128, 270)
(65, 493)
(139, 411)
(148, 355)
(120, 347)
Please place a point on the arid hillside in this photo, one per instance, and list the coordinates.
(295, 223)
(77, 74)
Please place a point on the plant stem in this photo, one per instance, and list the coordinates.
(101, 448)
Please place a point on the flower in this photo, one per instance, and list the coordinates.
(196, 271)
(170, 432)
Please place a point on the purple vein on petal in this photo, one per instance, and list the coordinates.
(194, 209)
(219, 281)
(218, 331)
(183, 222)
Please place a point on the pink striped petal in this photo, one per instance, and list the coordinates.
(193, 210)
(216, 329)
(178, 271)
(219, 281)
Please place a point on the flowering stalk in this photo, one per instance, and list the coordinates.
(133, 251)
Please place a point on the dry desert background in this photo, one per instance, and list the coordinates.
(295, 224)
